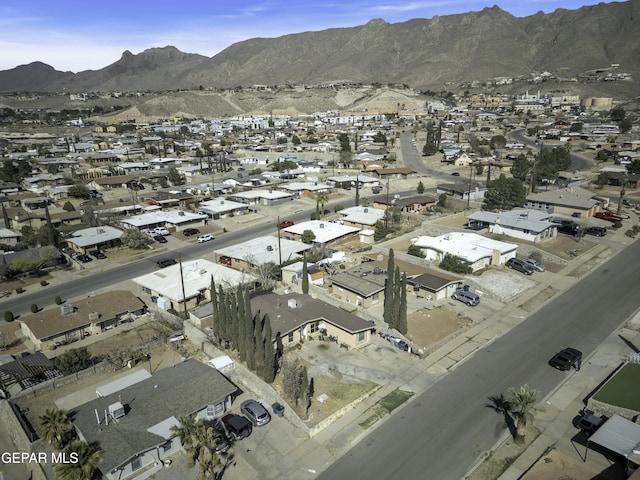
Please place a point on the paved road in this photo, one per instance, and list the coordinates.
(442, 432)
(578, 162)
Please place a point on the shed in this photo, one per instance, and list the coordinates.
(621, 436)
(222, 363)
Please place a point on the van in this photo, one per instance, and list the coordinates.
(467, 297)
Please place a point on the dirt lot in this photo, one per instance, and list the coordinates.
(428, 328)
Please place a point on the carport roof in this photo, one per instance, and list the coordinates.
(619, 435)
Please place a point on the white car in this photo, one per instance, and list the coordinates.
(205, 238)
(162, 231)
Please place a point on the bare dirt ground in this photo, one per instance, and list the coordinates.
(557, 466)
(428, 328)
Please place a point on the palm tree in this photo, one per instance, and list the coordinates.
(187, 433)
(89, 456)
(57, 428)
(321, 199)
(523, 405)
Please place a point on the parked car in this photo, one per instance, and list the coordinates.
(609, 216)
(285, 224)
(84, 258)
(467, 297)
(188, 232)
(537, 266)
(597, 231)
(162, 231)
(219, 439)
(567, 358)
(237, 426)
(255, 412)
(98, 254)
(456, 174)
(376, 189)
(520, 266)
(569, 227)
(160, 239)
(589, 422)
(166, 262)
(205, 238)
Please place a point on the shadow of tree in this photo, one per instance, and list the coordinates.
(500, 405)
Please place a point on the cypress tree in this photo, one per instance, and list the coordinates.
(402, 314)
(259, 349)
(5, 217)
(269, 354)
(397, 285)
(305, 278)
(251, 343)
(242, 351)
(214, 305)
(389, 291)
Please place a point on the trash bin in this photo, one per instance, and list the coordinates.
(278, 409)
(465, 288)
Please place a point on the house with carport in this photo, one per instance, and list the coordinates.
(217, 208)
(571, 202)
(249, 255)
(325, 233)
(473, 249)
(524, 224)
(94, 238)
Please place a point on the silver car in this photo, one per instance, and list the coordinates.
(255, 412)
(534, 264)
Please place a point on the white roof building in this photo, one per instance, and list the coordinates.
(196, 275)
(267, 249)
(218, 207)
(90, 237)
(309, 186)
(325, 232)
(176, 218)
(474, 249)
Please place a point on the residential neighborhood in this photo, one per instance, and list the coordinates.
(244, 280)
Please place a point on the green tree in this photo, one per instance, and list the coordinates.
(68, 207)
(505, 193)
(89, 457)
(497, 142)
(380, 137)
(57, 427)
(387, 313)
(430, 146)
(522, 403)
(455, 264)
(135, 239)
(521, 168)
(401, 322)
(625, 125)
(321, 199)
(602, 156)
(269, 362)
(307, 237)
(420, 188)
(416, 251)
(380, 231)
(187, 433)
(295, 140)
(73, 360)
(78, 190)
(305, 278)
(617, 113)
(174, 177)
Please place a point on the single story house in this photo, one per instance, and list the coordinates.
(463, 192)
(94, 238)
(87, 316)
(246, 256)
(220, 207)
(362, 217)
(413, 204)
(296, 317)
(325, 233)
(400, 172)
(362, 285)
(190, 282)
(475, 250)
(525, 224)
(262, 197)
(107, 183)
(173, 220)
(132, 426)
(572, 202)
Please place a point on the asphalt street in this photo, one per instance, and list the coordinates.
(442, 432)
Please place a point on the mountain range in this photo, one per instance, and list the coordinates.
(421, 53)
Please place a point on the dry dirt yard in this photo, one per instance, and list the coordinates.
(430, 328)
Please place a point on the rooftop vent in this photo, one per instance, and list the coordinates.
(67, 309)
(116, 410)
(269, 248)
(292, 303)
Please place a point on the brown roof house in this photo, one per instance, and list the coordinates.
(73, 321)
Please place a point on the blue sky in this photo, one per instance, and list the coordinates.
(88, 35)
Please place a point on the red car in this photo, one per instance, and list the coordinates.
(611, 217)
(285, 224)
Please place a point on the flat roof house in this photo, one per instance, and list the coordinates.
(220, 207)
(572, 202)
(325, 232)
(132, 426)
(525, 224)
(94, 238)
(477, 251)
(247, 255)
(362, 217)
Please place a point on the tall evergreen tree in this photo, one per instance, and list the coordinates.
(305, 278)
(269, 354)
(388, 290)
(242, 339)
(5, 217)
(214, 305)
(395, 311)
(51, 234)
(259, 348)
(357, 201)
(402, 313)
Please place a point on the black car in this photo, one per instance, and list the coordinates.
(160, 239)
(567, 358)
(84, 258)
(520, 266)
(166, 262)
(597, 231)
(98, 254)
(569, 228)
(237, 426)
(187, 232)
(589, 422)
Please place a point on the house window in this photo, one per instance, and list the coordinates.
(211, 411)
(313, 327)
(361, 337)
(136, 464)
(290, 337)
(167, 446)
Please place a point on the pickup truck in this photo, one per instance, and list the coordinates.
(611, 217)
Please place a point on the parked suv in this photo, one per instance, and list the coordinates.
(237, 426)
(467, 297)
(597, 231)
(255, 412)
(520, 266)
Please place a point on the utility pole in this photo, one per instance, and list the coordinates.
(386, 213)
(279, 244)
(470, 180)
